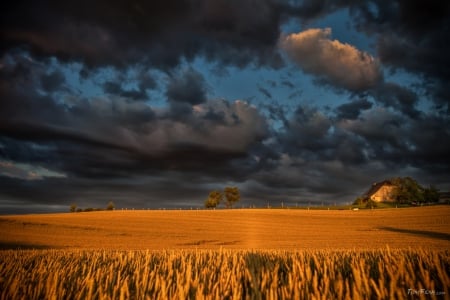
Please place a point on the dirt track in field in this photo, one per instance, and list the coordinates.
(288, 229)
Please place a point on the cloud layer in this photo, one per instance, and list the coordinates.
(115, 100)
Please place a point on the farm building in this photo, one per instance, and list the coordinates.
(381, 192)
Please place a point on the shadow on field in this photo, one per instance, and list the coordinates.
(209, 242)
(424, 233)
(21, 246)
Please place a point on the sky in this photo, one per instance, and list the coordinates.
(153, 104)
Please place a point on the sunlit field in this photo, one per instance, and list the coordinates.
(227, 254)
(283, 229)
(222, 274)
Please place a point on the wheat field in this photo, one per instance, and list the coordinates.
(286, 229)
(227, 254)
(223, 274)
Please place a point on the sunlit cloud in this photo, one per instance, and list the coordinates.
(340, 64)
(26, 171)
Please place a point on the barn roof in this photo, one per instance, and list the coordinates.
(376, 186)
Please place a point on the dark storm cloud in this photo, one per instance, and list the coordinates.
(115, 88)
(306, 130)
(430, 144)
(117, 168)
(311, 135)
(144, 82)
(113, 137)
(353, 109)
(118, 147)
(411, 36)
(42, 191)
(27, 172)
(312, 9)
(189, 88)
(397, 97)
(400, 141)
(160, 34)
(36, 196)
(113, 160)
(277, 113)
(53, 81)
(331, 157)
(59, 146)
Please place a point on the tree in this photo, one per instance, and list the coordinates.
(214, 199)
(431, 194)
(232, 196)
(73, 207)
(110, 206)
(407, 190)
(371, 204)
(359, 201)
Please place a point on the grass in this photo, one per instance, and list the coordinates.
(227, 254)
(222, 274)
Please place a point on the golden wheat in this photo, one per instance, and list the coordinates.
(284, 229)
(223, 274)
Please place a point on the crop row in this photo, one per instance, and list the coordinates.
(223, 274)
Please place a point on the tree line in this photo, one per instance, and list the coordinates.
(74, 208)
(229, 196)
(406, 191)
